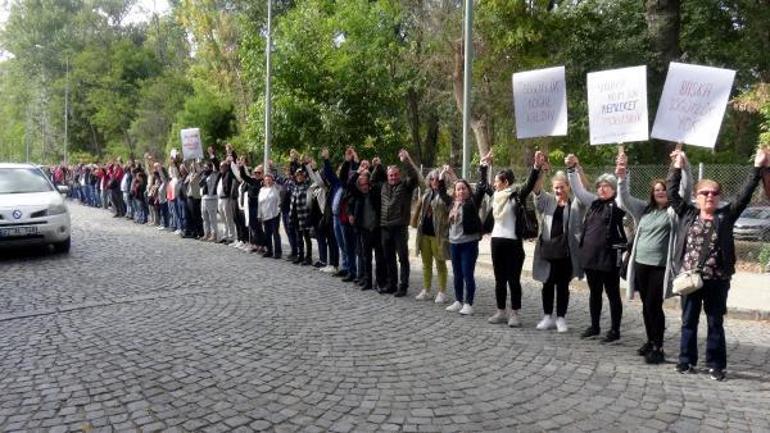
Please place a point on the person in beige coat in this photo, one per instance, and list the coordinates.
(431, 219)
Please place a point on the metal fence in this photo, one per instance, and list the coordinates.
(752, 242)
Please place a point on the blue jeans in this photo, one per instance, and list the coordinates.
(339, 235)
(713, 298)
(350, 249)
(181, 214)
(464, 257)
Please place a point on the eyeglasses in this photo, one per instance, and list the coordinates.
(707, 192)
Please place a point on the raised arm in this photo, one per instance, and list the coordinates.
(673, 182)
(412, 176)
(624, 200)
(744, 197)
(576, 183)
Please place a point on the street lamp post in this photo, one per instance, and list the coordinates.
(467, 70)
(268, 96)
(66, 109)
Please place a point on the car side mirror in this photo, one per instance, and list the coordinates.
(63, 189)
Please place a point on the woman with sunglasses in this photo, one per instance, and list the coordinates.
(649, 266)
(705, 243)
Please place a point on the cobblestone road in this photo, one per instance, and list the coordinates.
(138, 330)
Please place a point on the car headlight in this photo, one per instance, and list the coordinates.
(57, 209)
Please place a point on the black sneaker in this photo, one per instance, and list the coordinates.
(307, 262)
(297, 260)
(684, 368)
(645, 349)
(611, 336)
(717, 374)
(590, 332)
(348, 278)
(291, 258)
(655, 356)
(400, 294)
(267, 254)
(319, 264)
(340, 274)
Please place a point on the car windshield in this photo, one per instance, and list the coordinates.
(756, 213)
(23, 180)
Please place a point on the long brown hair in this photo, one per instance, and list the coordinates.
(652, 204)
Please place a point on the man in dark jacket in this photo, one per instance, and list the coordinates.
(395, 206)
(364, 214)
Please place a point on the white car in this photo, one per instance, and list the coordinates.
(32, 209)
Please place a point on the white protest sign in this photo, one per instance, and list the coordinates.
(540, 102)
(692, 104)
(617, 105)
(192, 148)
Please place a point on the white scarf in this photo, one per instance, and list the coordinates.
(499, 201)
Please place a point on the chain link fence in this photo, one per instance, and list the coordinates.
(752, 230)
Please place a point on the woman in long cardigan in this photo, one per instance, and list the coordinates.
(553, 270)
(649, 268)
(431, 219)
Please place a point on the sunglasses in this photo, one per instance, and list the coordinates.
(705, 193)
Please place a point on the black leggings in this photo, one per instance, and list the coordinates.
(609, 282)
(558, 281)
(648, 280)
(507, 261)
(304, 245)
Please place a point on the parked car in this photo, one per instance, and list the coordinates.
(32, 209)
(754, 224)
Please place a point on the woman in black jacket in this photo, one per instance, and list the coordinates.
(599, 249)
(705, 243)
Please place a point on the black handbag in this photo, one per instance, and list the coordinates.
(555, 248)
(526, 220)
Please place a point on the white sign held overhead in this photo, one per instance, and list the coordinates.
(192, 148)
(693, 104)
(617, 105)
(540, 102)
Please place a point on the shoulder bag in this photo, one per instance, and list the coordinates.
(689, 282)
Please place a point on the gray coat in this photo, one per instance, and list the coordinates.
(636, 208)
(545, 205)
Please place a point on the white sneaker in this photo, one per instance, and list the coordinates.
(178, 232)
(237, 244)
(441, 298)
(455, 307)
(513, 320)
(547, 323)
(423, 296)
(331, 269)
(561, 324)
(498, 317)
(467, 310)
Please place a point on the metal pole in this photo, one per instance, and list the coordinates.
(66, 110)
(468, 55)
(268, 96)
(700, 171)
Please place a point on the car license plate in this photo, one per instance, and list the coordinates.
(9, 232)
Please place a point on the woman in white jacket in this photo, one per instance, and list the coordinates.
(270, 214)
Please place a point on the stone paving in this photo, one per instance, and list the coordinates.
(141, 331)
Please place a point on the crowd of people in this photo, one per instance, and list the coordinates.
(359, 213)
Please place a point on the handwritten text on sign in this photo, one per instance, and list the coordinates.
(617, 105)
(540, 102)
(693, 104)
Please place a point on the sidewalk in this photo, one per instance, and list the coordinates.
(749, 296)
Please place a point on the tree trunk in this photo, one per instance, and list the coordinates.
(663, 26)
(479, 121)
(431, 139)
(413, 113)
